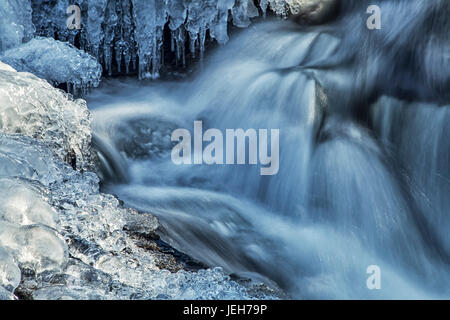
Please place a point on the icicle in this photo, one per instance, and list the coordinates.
(202, 40)
(118, 52)
(178, 39)
(129, 32)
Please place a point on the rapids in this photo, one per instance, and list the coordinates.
(356, 186)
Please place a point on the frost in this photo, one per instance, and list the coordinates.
(57, 62)
(32, 107)
(15, 23)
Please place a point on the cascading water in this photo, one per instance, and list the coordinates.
(350, 192)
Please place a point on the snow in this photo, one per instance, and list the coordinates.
(57, 62)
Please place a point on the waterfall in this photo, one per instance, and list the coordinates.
(364, 174)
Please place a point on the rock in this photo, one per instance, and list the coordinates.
(313, 11)
(140, 223)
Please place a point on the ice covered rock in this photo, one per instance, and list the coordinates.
(108, 262)
(67, 239)
(32, 107)
(56, 61)
(34, 247)
(312, 11)
(15, 23)
(9, 272)
(132, 34)
(24, 205)
(27, 158)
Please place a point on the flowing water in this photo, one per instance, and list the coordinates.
(344, 198)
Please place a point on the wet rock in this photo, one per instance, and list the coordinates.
(313, 11)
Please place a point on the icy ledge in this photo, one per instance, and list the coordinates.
(32, 107)
(57, 62)
(130, 34)
(60, 238)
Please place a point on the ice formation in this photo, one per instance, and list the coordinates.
(60, 238)
(57, 62)
(123, 36)
(32, 107)
(130, 34)
(15, 23)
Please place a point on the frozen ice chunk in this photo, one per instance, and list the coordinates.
(6, 295)
(61, 292)
(242, 11)
(32, 107)
(15, 23)
(23, 205)
(27, 158)
(9, 272)
(5, 67)
(56, 61)
(35, 247)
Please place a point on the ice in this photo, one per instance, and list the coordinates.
(34, 247)
(49, 19)
(60, 238)
(96, 16)
(32, 107)
(132, 31)
(70, 241)
(242, 11)
(6, 295)
(9, 272)
(24, 205)
(150, 16)
(15, 23)
(28, 159)
(57, 62)
(92, 227)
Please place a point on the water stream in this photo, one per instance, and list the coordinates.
(347, 195)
